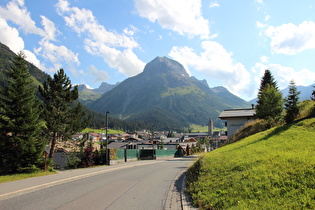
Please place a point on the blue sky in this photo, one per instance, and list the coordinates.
(228, 43)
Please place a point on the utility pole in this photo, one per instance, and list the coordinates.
(106, 142)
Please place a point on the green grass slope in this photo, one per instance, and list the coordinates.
(274, 169)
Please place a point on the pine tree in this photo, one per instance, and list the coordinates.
(64, 116)
(267, 79)
(291, 103)
(20, 126)
(270, 102)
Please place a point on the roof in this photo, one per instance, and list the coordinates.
(235, 113)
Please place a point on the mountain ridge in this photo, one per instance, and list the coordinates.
(164, 86)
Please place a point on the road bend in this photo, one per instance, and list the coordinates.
(154, 184)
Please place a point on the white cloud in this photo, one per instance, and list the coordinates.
(214, 3)
(99, 75)
(283, 75)
(261, 25)
(57, 54)
(102, 42)
(216, 63)
(264, 59)
(291, 39)
(50, 29)
(16, 12)
(31, 57)
(131, 30)
(125, 61)
(10, 37)
(182, 16)
(83, 21)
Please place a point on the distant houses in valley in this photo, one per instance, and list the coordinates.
(180, 143)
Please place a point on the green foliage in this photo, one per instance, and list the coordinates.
(63, 115)
(267, 79)
(192, 89)
(307, 109)
(291, 103)
(159, 119)
(269, 104)
(73, 160)
(274, 169)
(87, 96)
(20, 144)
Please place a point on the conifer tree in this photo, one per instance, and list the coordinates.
(270, 101)
(20, 126)
(64, 116)
(291, 103)
(267, 79)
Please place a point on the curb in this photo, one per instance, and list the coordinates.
(185, 202)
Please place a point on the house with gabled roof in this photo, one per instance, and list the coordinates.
(237, 118)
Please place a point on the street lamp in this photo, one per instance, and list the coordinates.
(106, 142)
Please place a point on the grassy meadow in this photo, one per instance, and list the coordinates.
(95, 130)
(273, 169)
(200, 128)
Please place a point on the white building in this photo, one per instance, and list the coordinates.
(236, 119)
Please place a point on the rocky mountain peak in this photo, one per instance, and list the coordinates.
(164, 65)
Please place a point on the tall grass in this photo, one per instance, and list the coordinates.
(273, 169)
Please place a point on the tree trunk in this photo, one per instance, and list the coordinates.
(52, 147)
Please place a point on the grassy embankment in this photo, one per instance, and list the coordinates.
(273, 169)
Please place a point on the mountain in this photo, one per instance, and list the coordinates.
(306, 93)
(6, 62)
(87, 95)
(165, 96)
(105, 87)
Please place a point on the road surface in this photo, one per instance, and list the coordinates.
(137, 185)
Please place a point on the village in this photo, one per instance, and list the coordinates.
(146, 145)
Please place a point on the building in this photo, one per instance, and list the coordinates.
(236, 119)
(210, 127)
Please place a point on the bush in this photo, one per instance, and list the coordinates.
(73, 161)
(28, 169)
(307, 109)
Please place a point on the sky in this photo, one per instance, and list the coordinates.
(228, 43)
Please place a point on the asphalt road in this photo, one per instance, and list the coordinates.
(138, 185)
